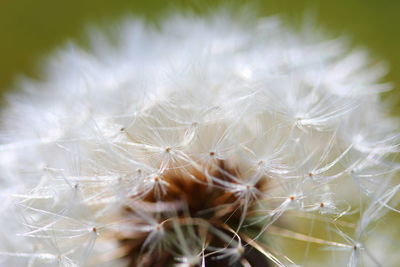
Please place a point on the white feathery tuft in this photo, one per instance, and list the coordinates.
(282, 130)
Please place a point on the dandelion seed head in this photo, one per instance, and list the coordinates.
(205, 141)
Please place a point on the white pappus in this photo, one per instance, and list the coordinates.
(202, 141)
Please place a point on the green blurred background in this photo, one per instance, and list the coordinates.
(31, 29)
